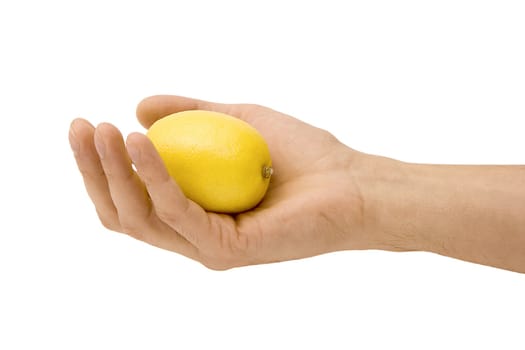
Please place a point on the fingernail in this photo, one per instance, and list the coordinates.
(73, 142)
(100, 146)
(134, 153)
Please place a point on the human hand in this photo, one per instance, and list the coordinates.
(313, 205)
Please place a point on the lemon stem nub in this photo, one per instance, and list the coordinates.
(267, 171)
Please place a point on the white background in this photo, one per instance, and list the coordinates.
(421, 81)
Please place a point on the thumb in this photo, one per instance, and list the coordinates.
(153, 108)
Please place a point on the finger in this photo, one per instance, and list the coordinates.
(125, 187)
(81, 135)
(170, 203)
(153, 108)
(130, 197)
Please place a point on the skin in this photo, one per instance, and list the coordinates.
(323, 197)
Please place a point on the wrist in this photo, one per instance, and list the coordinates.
(473, 213)
(388, 210)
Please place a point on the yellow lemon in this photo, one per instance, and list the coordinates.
(220, 162)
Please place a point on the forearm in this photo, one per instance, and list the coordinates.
(473, 213)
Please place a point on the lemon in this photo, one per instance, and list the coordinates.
(220, 162)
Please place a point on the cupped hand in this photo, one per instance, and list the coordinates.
(313, 204)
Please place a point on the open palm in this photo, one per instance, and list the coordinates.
(312, 205)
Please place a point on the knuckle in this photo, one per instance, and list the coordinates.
(120, 176)
(238, 247)
(164, 215)
(136, 228)
(110, 225)
(109, 221)
(128, 228)
(222, 259)
(217, 265)
(252, 106)
(138, 234)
